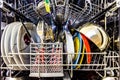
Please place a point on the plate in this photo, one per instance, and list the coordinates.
(82, 57)
(69, 46)
(88, 50)
(13, 44)
(2, 45)
(79, 41)
(77, 46)
(23, 42)
(7, 44)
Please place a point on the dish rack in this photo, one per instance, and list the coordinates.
(29, 10)
(48, 60)
(72, 11)
(52, 65)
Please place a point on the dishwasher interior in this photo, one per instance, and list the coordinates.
(60, 39)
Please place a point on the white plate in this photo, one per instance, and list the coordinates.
(21, 46)
(7, 45)
(69, 46)
(2, 45)
(13, 44)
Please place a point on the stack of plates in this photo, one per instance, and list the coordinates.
(89, 38)
(69, 46)
(82, 46)
(15, 40)
(79, 44)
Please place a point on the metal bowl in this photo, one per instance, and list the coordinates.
(96, 34)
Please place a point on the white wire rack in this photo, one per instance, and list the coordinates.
(72, 11)
(48, 60)
(112, 61)
(29, 10)
(78, 14)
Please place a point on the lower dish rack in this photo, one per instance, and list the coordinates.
(48, 60)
